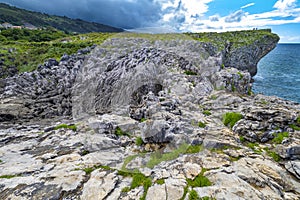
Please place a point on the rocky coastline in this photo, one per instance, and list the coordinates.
(149, 117)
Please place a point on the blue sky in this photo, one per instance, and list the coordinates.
(283, 16)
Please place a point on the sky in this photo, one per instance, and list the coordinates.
(282, 16)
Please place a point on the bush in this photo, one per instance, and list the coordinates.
(231, 118)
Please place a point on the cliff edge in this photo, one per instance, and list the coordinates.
(150, 117)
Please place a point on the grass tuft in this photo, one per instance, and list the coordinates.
(280, 137)
(231, 118)
(65, 126)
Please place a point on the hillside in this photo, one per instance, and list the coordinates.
(17, 16)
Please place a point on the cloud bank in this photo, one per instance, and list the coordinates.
(170, 15)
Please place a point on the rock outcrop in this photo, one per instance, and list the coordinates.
(145, 117)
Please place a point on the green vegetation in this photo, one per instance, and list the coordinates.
(193, 195)
(190, 73)
(272, 154)
(65, 126)
(255, 147)
(213, 97)
(128, 160)
(126, 189)
(241, 75)
(242, 139)
(89, 170)
(143, 120)
(139, 141)
(120, 132)
(8, 176)
(200, 180)
(160, 181)
(194, 149)
(34, 47)
(18, 16)
(206, 112)
(231, 118)
(235, 39)
(280, 137)
(296, 125)
(201, 124)
(158, 157)
(138, 179)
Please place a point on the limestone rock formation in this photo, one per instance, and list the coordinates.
(145, 117)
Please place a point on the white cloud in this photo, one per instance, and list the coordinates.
(248, 5)
(285, 4)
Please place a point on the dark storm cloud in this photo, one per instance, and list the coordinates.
(119, 13)
(235, 17)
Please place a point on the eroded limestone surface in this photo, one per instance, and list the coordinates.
(147, 123)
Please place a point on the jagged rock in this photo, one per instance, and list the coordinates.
(293, 167)
(100, 185)
(163, 91)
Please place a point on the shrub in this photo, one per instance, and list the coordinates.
(231, 118)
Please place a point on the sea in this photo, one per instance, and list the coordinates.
(279, 73)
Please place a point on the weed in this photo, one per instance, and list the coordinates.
(143, 120)
(206, 112)
(128, 160)
(160, 181)
(201, 124)
(157, 157)
(272, 154)
(213, 97)
(231, 118)
(194, 149)
(185, 191)
(193, 195)
(9, 176)
(138, 179)
(280, 137)
(139, 141)
(242, 139)
(120, 132)
(241, 75)
(200, 180)
(295, 127)
(126, 189)
(65, 126)
(254, 147)
(190, 73)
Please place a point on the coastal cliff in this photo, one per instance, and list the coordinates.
(168, 116)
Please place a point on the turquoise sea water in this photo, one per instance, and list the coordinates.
(279, 73)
